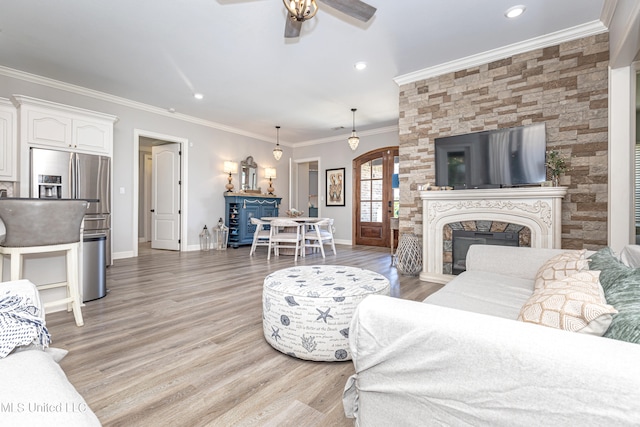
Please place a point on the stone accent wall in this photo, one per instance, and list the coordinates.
(524, 236)
(564, 86)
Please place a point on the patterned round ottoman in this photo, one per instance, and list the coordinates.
(307, 310)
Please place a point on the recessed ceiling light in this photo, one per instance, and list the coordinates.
(198, 95)
(361, 65)
(515, 11)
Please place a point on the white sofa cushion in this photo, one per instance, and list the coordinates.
(521, 261)
(424, 365)
(575, 303)
(486, 293)
(36, 392)
(630, 256)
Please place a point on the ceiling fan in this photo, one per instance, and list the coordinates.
(302, 10)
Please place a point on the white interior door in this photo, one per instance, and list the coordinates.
(165, 195)
(293, 186)
(302, 200)
(299, 183)
(148, 167)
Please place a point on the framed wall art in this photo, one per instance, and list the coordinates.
(335, 187)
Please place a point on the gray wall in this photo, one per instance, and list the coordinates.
(208, 148)
(337, 154)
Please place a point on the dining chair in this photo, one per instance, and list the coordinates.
(261, 235)
(318, 234)
(285, 233)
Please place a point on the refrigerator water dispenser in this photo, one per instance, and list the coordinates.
(49, 187)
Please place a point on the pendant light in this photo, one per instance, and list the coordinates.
(277, 152)
(353, 139)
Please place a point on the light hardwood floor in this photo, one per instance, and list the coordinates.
(178, 342)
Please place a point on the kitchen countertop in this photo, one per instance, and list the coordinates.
(60, 200)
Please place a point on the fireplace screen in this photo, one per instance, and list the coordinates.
(463, 239)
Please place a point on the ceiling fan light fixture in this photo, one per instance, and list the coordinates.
(301, 10)
(277, 152)
(353, 139)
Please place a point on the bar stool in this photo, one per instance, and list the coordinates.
(36, 226)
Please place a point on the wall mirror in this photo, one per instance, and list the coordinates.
(249, 175)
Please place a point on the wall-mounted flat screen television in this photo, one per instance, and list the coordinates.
(510, 157)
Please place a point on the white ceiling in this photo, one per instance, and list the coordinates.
(161, 52)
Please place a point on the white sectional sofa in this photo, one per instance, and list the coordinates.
(462, 358)
(34, 390)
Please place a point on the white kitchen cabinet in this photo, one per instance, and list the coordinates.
(46, 128)
(49, 124)
(45, 124)
(8, 141)
(95, 137)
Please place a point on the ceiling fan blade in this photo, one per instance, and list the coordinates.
(292, 28)
(354, 8)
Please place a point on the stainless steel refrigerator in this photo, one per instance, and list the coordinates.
(64, 175)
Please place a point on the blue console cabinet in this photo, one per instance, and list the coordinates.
(240, 208)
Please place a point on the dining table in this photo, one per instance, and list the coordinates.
(300, 220)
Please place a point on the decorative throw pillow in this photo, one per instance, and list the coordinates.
(621, 286)
(561, 266)
(609, 266)
(575, 303)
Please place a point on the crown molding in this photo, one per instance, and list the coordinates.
(56, 84)
(68, 87)
(22, 99)
(579, 31)
(345, 136)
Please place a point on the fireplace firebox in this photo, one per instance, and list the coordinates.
(463, 239)
(458, 236)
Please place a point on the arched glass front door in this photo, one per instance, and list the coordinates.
(375, 199)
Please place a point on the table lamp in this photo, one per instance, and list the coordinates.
(270, 173)
(230, 167)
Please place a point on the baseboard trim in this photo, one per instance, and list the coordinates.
(122, 255)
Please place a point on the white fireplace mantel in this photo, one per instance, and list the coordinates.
(538, 208)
